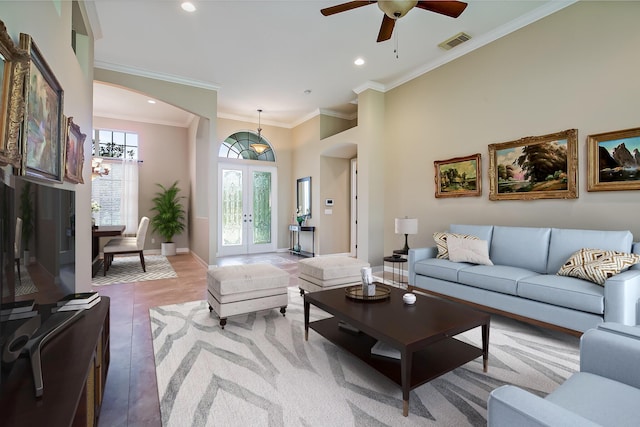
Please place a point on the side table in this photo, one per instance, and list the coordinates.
(396, 264)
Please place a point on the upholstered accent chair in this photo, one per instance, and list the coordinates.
(606, 391)
(127, 245)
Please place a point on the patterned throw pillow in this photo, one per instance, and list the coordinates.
(597, 265)
(441, 242)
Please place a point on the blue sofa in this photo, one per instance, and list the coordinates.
(523, 283)
(605, 392)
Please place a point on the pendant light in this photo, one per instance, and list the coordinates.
(259, 147)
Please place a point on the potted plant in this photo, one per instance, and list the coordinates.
(170, 216)
(27, 215)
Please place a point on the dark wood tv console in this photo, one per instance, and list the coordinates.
(74, 370)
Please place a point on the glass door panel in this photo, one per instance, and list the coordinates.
(232, 207)
(246, 210)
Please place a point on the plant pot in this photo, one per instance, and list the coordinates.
(168, 249)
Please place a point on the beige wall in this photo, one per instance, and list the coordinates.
(50, 28)
(202, 150)
(164, 153)
(335, 179)
(576, 69)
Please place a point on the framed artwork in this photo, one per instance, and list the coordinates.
(13, 62)
(43, 127)
(535, 167)
(458, 177)
(75, 153)
(613, 160)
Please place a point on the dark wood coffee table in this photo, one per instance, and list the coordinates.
(422, 332)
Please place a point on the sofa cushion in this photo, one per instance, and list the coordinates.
(524, 247)
(635, 249)
(468, 250)
(596, 265)
(601, 400)
(440, 268)
(482, 232)
(440, 237)
(565, 242)
(564, 292)
(498, 278)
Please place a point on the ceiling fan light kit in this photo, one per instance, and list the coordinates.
(394, 9)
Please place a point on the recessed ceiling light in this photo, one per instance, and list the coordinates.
(151, 101)
(359, 62)
(188, 6)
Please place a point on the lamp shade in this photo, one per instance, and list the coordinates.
(406, 225)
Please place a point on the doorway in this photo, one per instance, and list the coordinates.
(247, 196)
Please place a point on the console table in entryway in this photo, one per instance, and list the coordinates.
(294, 243)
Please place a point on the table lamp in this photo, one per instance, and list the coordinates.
(406, 226)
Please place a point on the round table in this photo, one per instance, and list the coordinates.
(396, 264)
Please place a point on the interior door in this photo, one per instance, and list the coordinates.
(247, 209)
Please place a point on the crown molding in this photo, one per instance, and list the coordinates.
(475, 43)
(252, 119)
(370, 85)
(128, 118)
(155, 75)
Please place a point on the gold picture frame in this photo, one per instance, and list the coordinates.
(613, 162)
(44, 125)
(14, 64)
(459, 177)
(535, 167)
(74, 153)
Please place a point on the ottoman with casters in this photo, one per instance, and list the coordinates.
(242, 289)
(328, 272)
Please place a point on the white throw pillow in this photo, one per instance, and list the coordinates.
(440, 237)
(468, 250)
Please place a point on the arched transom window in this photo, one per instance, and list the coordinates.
(246, 145)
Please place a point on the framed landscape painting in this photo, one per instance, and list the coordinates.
(458, 177)
(535, 167)
(75, 153)
(43, 127)
(13, 63)
(614, 160)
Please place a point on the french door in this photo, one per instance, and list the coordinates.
(247, 214)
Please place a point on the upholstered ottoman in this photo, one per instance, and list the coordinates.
(241, 289)
(328, 272)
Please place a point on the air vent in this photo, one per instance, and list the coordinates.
(455, 41)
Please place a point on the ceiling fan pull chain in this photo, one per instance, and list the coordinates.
(395, 42)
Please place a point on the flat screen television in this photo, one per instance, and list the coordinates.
(43, 269)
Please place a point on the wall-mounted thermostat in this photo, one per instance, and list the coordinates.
(328, 202)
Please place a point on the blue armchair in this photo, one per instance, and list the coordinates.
(606, 391)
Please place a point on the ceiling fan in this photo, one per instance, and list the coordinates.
(397, 9)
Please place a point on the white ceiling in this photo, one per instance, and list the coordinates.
(266, 54)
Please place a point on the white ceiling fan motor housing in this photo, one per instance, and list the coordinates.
(395, 9)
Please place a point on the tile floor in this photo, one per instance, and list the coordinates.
(131, 396)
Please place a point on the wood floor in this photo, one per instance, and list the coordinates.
(131, 394)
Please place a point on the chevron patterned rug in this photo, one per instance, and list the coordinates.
(128, 269)
(259, 371)
(25, 285)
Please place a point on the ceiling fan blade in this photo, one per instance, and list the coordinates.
(344, 7)
(448, 8)
(386, 29)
